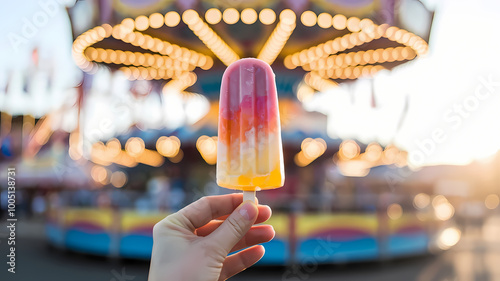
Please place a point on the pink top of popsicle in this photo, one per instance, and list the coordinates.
(248, 98)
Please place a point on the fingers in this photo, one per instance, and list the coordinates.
(264, 215)
(241, 261)
(256, 235)
(201, 212)
(234, 228)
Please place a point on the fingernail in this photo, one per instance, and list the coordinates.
(248, 210)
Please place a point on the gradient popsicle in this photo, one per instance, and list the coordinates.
(249, 150)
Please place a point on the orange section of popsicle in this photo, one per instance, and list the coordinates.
(250, 154)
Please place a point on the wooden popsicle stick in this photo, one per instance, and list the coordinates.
(249, 195)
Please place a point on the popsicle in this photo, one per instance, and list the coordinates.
(249, 149)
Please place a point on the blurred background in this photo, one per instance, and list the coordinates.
(390, 127)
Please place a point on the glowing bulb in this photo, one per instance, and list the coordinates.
(312, 149)
(135, 146)
(304, 92)
(389, 32)
(448, 238)
(231, 16)
(289, 63)
(356, 72)
(141, 23)
(249, 16)
(190, 17)
(394, 211)
(119, 178)
(209, 62)
(366, 25)
(172, 19)
(267, 16)
(353, 24)
(421, 200)
(113, 148)
(308, 18)
(213, 16)
(128, 23)
(99, 174)
(347, 73)
(444, 211)
(168, 146)
(325, 20)
(439, 199)
(288, 16)
(156, 20)
(349, 149)
(339, 22)
(126, 71)
(300, 159)
(103, 55)
(492, 201)
(207, 146)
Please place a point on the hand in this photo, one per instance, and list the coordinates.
(193, 244)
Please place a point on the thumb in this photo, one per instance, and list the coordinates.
(235, 226)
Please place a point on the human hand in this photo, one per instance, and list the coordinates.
(193, 244)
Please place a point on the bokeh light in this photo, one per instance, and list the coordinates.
(231, 16)
(373, 152)
(249, 16)
(118, 179)
(349, 149)
(99, 174)
(267, 16)
(156, 20)
(213, 16)
(308, 18)
(443, 210)
(421, 200)
(134, 146)
(339, 22)
(168, 146)
(172, 19)
(207, 146)
(448, 238)
(492, 201)
(324, 20)
(353, 24)
(394, 211)
(141, 23)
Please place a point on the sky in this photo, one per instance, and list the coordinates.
(452, 94)
(43, 25)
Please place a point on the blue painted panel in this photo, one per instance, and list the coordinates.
(136, 246)
(406, 245)
(55, 235)
(323, 251)
(277, 253)
(91, 243)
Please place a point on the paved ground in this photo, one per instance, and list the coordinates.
(477, 257)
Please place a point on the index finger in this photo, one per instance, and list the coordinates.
(204, 210)
(264, 214)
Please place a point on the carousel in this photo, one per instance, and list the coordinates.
(147, 105)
